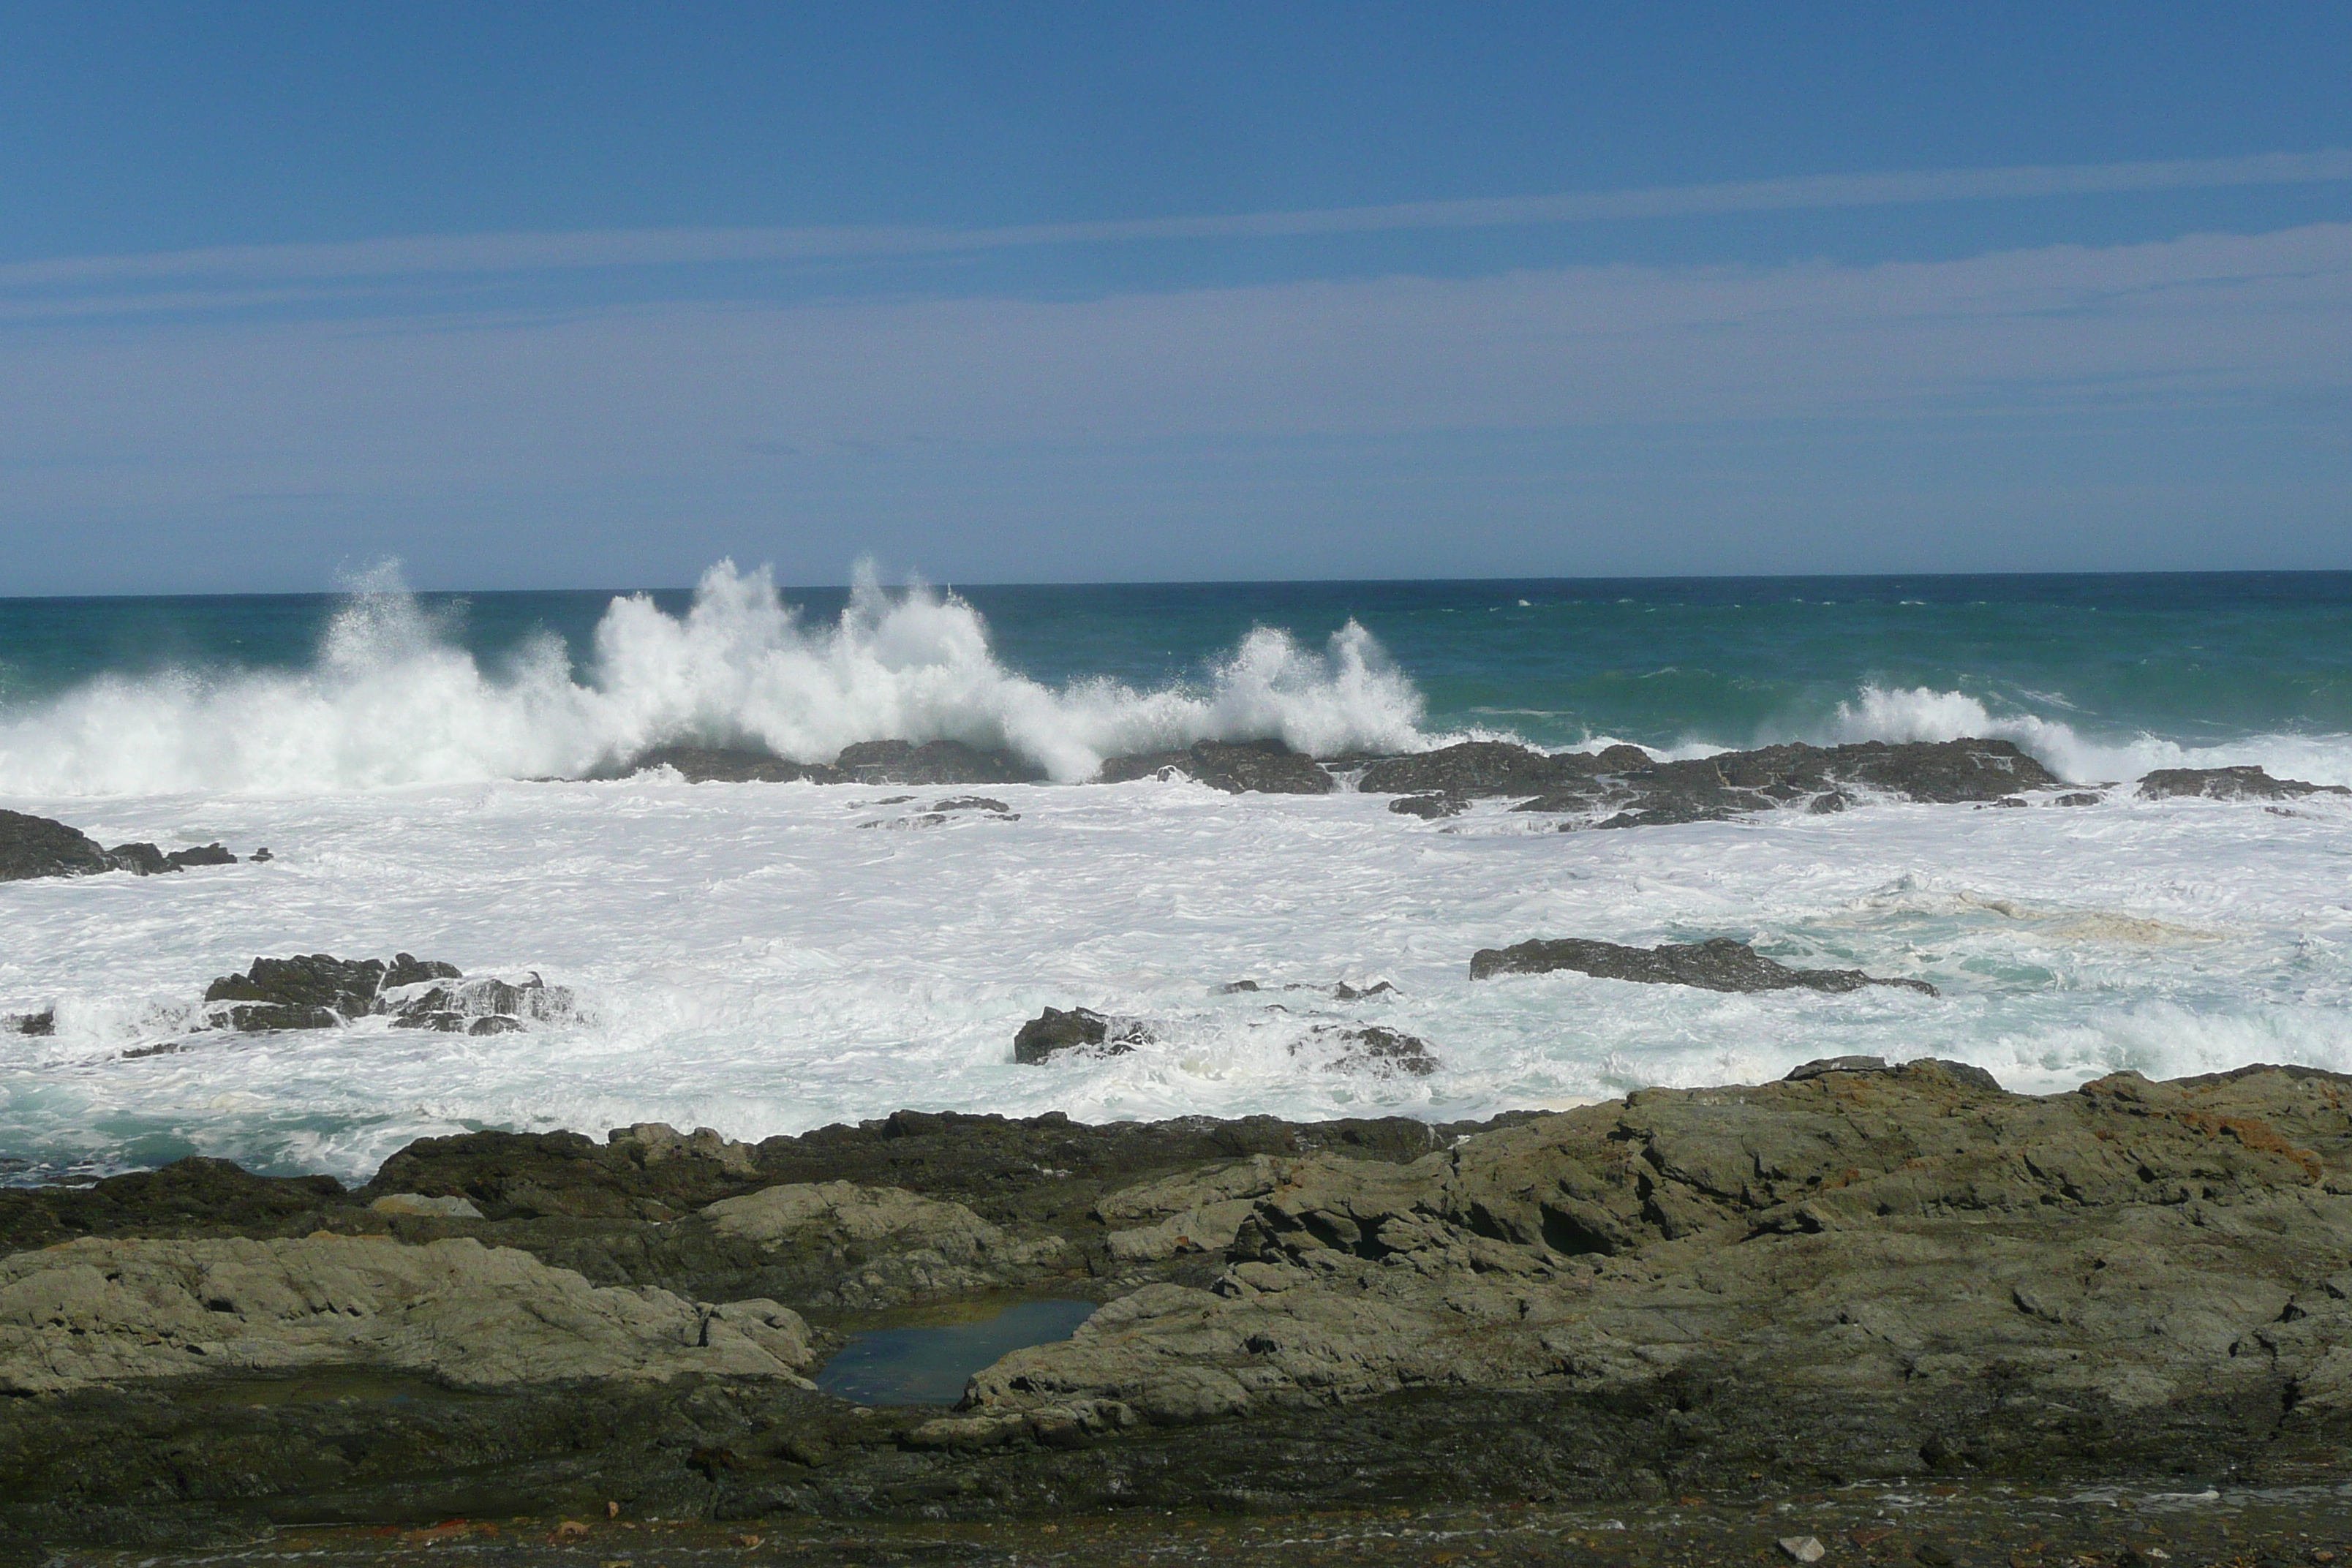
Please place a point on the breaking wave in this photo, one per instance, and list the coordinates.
(393, 700)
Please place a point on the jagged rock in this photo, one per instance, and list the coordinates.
(1367, 1048)
(655, 1142)
(1431, 807)
(1850, 1243)
(1718, 963)
(41, 846)
(313, 991)
(101, 1311)
(1237, 767)
(932, 762)
(1080, 1029)
(2079, 797)
(42, 1022)
(2229, 783)
(1478, 769)
(139, 859)
(407, 969)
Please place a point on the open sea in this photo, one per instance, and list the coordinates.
(757, 959)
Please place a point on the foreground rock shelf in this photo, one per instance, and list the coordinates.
(1866, 1273)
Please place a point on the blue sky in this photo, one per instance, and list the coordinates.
(591, 295)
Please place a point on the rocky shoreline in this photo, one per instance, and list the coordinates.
(1894, 1279)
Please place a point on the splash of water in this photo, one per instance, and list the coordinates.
(391, 700)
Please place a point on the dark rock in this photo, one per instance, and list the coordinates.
(459, 1023)
(2079, 797)
(41, 846)
(407, 969)
(204, 855)
(2229, 783)
(1948, 1071)
(932, 762)
(2014, 802)
(1739, 783)
(1346, 993)
(41, 1023)
(1431, 807)
(729, 765)
(301, 988)
(1485, 768)
(141, 859)
(972, 803)
(1237, 767)
(262, 854)
(1718, 963)
(1370, 1048)
(1080, 1029)
(485, 1006)
(1835, 1064)
(258, 1017)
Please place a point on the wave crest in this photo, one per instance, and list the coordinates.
(391, 700)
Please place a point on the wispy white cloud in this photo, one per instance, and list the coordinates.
(474, 255)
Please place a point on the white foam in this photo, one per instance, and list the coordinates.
(391, 700)
(747, 958)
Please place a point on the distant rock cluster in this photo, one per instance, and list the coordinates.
(320, 991)
(34, 847)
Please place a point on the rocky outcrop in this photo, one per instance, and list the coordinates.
(1237, 767)
(320, 991)
(1963, 1275)
(1865, 1276)
(106, 1311)
(1055, 1032)
(1483, 769)
(2228, 783)
(1718, 963)
(1624, 786)
(932, 762)
(42, 847)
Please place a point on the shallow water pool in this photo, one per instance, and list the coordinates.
(928, 1362)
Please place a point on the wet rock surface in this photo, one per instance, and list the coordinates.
(33, 846)
(932, 762)
(320, 991)
(1058, 1031)
(1718, 963)
(1624, 786)
(1237, 767)
(2228, 783)
(1896, 1280)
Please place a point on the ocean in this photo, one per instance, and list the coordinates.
(769, 958)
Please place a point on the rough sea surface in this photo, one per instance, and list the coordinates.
(767, 958)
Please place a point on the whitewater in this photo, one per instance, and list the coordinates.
(767, 958)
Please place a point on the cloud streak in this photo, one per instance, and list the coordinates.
(490, 254)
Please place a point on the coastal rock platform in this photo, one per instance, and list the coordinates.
(1867, 1274)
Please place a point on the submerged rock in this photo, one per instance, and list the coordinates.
(42, 1022)
(1080, 1029)
(1237, 767)
(1718, 963)
(1367, 1048)
(1431, 807)
(2228, 783)
(728, 764)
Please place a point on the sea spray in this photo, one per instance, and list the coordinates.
(391, 698)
